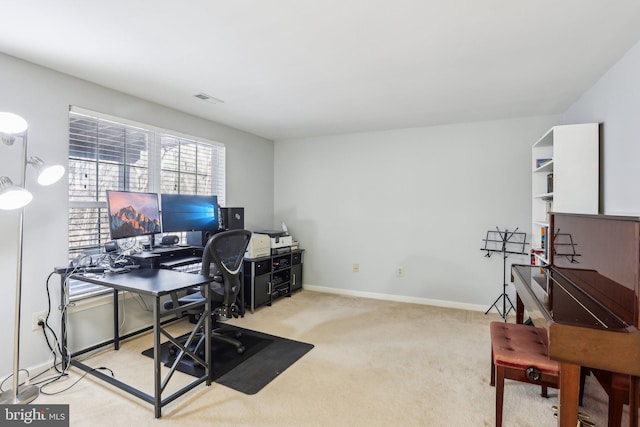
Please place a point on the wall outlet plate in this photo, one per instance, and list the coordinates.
(35, 318)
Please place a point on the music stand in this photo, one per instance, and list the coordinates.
(507, 242)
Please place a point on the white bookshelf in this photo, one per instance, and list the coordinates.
(571, 154)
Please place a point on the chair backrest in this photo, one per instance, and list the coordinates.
(226, 251)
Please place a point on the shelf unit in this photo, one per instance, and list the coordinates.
(269, 278)
(565, 178)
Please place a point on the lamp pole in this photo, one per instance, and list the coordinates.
(26, 393)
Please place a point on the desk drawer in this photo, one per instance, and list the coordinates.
(262, 267)
(296, 258)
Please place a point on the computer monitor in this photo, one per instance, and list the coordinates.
(133, 214)
(187, 212)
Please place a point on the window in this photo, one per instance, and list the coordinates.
(107, 153)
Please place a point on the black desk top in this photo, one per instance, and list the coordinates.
(155, 282)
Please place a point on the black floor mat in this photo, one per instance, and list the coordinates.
(243, 372)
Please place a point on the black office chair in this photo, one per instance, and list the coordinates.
(222, 259)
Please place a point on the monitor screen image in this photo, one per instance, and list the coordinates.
(187, 212)
(133, 214)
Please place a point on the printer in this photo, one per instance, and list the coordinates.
(259, 246)
(280, 241)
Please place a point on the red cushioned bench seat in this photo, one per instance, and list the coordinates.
(520, 353)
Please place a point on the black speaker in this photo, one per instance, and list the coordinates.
(170, 240)
(111, 246)
(232, 218)
(199, 238)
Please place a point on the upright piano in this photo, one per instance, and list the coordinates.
(587, 298)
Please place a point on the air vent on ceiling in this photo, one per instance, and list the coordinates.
(208, 98)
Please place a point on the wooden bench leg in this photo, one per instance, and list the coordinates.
(493, 371)
(499, 394)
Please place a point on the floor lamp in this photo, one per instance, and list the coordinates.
(14, 196)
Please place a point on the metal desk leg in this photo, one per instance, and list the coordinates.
(116, 326)
(157, 387)
(207, 330)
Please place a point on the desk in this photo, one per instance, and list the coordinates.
(156, 283)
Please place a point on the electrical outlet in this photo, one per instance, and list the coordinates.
(37, 317)
(400, 271)
(356, 268)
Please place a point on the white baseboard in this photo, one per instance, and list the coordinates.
(397, 298)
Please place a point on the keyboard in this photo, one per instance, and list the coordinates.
(162, 250)
(180, 262)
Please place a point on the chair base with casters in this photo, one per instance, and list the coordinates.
(218, 331)
(218, 334)
(222, 259)
(519, 352)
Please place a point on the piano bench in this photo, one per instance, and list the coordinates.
(520, 353)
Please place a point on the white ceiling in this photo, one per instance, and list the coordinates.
(297, 68)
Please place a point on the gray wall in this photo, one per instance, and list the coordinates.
(421, 199)
(43, 97)
(614, 101)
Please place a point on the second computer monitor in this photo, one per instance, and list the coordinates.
(186, 212)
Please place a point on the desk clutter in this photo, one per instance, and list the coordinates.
(108, 262)
(272, 267)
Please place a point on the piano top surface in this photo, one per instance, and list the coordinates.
(561, 298)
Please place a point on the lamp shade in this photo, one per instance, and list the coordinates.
(11, 196)
(12, 123)
(47, 175)
(50, 174)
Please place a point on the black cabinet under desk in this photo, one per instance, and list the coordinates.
(269, 278)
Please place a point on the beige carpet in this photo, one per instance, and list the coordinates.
(375, 363)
